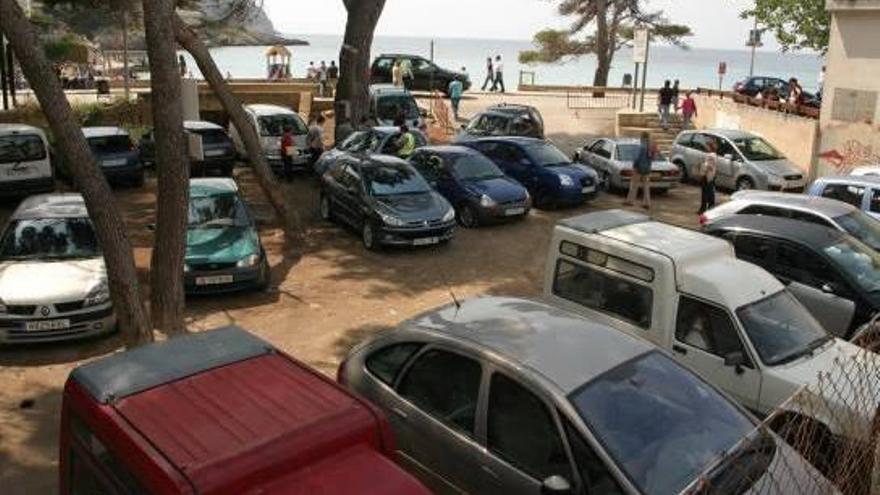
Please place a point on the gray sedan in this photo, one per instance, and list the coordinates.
(511, 396)
(613, 158)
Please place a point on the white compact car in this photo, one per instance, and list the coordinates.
(270, 121)
(25, 163)
(53, 282)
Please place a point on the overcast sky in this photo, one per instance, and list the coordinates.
(716, 23)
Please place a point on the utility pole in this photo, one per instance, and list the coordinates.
(754, 42)
(3, 73)
(125, 75)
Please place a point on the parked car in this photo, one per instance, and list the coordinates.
(745, 161)
(728, 320)
(549, 176)
(53, 282)
(220, 412)
(223, 248)
(25, 161)
(473, 184)
(866, 170)
(389, 102)
(116, 154)
(829, 271)
(505, 120)
(427, 75)
(812, 209)
(500, 395)
(755, 85)
(270, 121)
(217, 150)
(863, 192)
(613, 159)
(387, 201)
(376, 140)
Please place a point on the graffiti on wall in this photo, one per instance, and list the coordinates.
(849, 155)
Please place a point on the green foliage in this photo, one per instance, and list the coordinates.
(554, 46)
(67, 48)
(796, 24)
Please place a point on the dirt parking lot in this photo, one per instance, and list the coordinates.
(326, 295)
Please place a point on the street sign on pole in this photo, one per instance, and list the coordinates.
(640, 46)
(722, 70)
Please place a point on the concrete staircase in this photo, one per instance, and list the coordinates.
(633, 124)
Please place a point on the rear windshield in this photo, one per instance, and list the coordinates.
(110, 144)
(212, 136)
(391, 107)
(216, 212)
(49, 238)
(21, 148)
(273, 125)
(628, 152)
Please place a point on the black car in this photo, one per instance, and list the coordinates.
(427, 76)
(388, 201)
(116, 154)
(754, 85)
(505, 120)
(826, 269)
(217, 149)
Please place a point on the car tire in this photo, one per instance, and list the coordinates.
(368, 236)
(745, 184)
(265, 275)
(606, 182)
(682, 168)
(325, 210)
(467, 217)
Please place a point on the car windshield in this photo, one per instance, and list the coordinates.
(21, 148)
(757, 150)
(858, 261)
(547, 155)
(217, 211)
(781, 329)
(393, 180)
(475, 167)
(358, 141)
(273, 125)
(662, 424)
(862, 227)
(50, 238)
(627, 152)
(110, 144)
(392, 106)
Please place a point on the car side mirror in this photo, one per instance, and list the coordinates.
(735, 360)
(556, 485)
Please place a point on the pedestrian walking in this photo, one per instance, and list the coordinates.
(688, 109)
(181, 65)
(406, 72)
(288, 148)
(456, 88)
(322, 77)
(397, 75)
(315, 140)
(675, 96)
(664, 102)
(499, 75)
(708, 169)
(641, 177)
(490, 74)
(795, 92)
(333, 76)
(312, 72)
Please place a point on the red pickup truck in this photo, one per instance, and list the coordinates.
(220, 412)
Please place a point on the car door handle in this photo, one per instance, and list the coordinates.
(399, 412)
(679, 349)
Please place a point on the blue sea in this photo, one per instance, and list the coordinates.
(693, 67)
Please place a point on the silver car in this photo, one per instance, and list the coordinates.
(53, 282)
(613, 158)
(745, 161)
(861, 191)
(510, 396)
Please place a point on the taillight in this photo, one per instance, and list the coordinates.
(703, 219)
(626, 173)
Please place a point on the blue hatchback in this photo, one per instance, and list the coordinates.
(476, 187)
(550, 176)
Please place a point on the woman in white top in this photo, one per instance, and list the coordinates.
(707, 177)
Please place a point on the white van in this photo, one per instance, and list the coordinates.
(269, 121)
(25, 165)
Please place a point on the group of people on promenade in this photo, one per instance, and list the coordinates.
(669, 103)
(494, 74)
(325, 75)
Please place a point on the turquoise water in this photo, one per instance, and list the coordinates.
(694, 67)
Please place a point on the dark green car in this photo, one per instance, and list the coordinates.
(223, 249)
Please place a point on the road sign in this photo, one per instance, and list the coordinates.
(640, 46)
(722, 68)
(755, 38)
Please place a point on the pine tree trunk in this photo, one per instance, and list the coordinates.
(352, 91)
(190, 42)
(103, 211)
(603, 51)
(172, 167)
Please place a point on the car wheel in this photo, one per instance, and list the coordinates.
(745, 184)
(467, 217)
(606, 181)
(682, 168)
(265, 275)
(326, 212)
(368, 236)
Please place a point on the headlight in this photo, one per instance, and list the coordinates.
(450, 215)
(566, 180)
(486, 201)
(391, 220)
(186, 268)
(774, 179)
(249, 261)
(99, 295)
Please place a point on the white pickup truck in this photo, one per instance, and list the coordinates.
(730, 321)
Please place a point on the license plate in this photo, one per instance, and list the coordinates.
(215, 152)
(114, 163)
(656, 175)
(36, 326)
(514, 211)
(215, 280)
(588, 189)
(427, 241)
(19, 172)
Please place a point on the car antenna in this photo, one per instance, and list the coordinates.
(451, 292)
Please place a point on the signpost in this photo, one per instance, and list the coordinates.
(641, 45)
(722, 70)
(754, 42)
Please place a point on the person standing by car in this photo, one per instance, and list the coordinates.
(456, 88)
(287, 151)
(406, 143)
(664, 102)
(315, 140)
(688, 109)
(406, 72)
(795, 92)
(641, 173)
(397, 75)
(490, 75)
(707, 177)
(499, 75)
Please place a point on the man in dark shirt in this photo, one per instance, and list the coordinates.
(665, 101)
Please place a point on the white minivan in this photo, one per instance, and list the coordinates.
(270, 121)
(25, 164)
